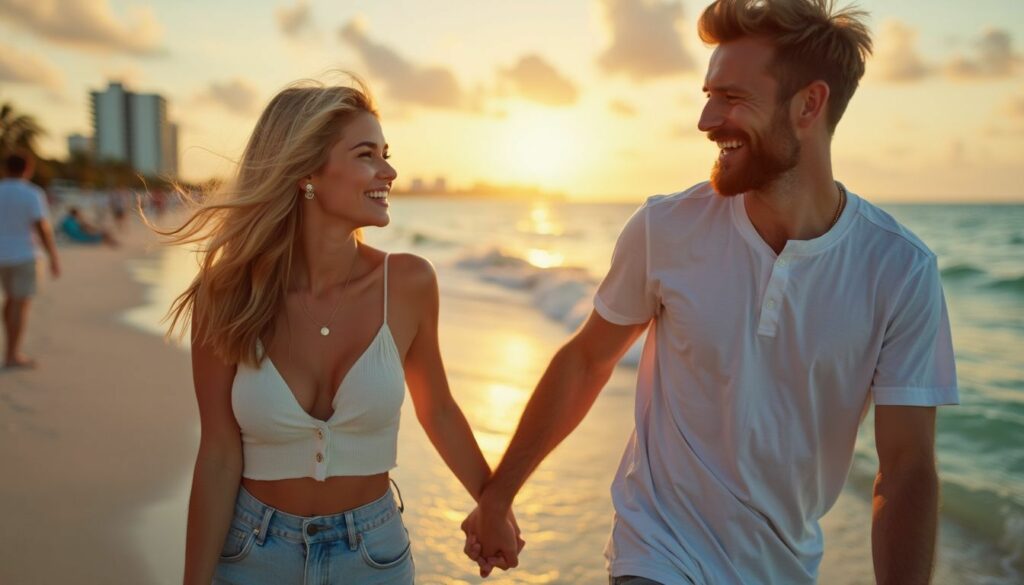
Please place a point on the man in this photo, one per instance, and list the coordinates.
(23, 211)
(779, 305)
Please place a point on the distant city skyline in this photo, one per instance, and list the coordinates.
(133, 128)
(598, 99)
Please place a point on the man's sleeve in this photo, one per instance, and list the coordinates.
(626, 296)
(39, 210)
(916, 366)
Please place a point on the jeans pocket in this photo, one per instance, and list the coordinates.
(237, 544)
(387, 545)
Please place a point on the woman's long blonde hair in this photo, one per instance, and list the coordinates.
(249, 226)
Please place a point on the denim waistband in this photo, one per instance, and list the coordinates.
(265, 520)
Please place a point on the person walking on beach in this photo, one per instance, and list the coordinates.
(23, 211)
(778, 305)
(303, 339)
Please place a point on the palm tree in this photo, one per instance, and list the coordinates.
(17, 131)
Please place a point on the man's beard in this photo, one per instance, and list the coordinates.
(766, 160)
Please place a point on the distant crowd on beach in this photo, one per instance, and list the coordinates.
(35, 222)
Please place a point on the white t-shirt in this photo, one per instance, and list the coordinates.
(22, 204)
(755, 375)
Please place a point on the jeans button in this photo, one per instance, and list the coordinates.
(312, 529)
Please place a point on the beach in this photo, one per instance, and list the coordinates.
(100, 439)
(96, 435)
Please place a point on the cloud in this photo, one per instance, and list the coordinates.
(1014, 106)
(1007, 120)
(86, 24)
(622, 108)
(405, 81)
(897, 59)
(533, 78)
(296, 20)
(236, 95)
(18, 67)
(646, 43)
(994, 57)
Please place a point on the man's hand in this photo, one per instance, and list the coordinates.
(492, 540)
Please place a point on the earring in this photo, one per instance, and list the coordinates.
(309, 190)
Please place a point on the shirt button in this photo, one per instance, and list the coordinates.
(320, 434)
(782, 261)
(771, 303)
(319, 457)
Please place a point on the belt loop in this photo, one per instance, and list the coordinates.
(261, 534)
(401, 502)
(350, 523)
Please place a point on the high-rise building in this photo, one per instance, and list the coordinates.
(79, 144)
(133, 128)
(110, 123)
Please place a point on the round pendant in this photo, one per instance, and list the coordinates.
(325, 331)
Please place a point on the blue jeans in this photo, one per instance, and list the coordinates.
(368, 545)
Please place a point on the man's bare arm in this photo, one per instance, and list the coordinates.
(562, 398)
(45, 233)
(905, 502)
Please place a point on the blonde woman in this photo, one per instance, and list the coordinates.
(303, 339)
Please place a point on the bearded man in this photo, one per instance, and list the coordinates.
(779, 305)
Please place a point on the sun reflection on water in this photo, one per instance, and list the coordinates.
(543, 258)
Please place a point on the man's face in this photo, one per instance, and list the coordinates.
(757, 143)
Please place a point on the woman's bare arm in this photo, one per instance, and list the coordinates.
(218, 468)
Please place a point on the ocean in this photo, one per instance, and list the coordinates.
(517, 278)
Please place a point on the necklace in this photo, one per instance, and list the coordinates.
(325, 329)
(839, 208)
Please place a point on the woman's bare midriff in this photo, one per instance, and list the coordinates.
(306, 496)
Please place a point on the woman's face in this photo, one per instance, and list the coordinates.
(355, 182)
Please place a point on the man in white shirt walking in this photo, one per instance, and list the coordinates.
(23, 211)
(779, 305)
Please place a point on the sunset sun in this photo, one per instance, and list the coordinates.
(538, 149)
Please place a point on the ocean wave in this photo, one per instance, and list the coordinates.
(989, 514)
(960, 271)
(564, 294)
(1011, 284)
(986, 511)
(428, 240)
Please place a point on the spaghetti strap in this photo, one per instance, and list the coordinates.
(386, 288)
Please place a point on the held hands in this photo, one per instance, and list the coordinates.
(492, 539)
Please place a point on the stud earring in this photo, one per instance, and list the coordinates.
(309, 190)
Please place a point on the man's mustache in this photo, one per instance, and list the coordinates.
(728, 134)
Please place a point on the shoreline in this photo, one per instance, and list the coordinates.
(93, 437)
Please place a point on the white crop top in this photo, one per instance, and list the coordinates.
(280, 440)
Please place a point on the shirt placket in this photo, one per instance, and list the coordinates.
(774, 294)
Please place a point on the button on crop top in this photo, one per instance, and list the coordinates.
(280, 440)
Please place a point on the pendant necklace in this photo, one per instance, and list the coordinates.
(325, 329)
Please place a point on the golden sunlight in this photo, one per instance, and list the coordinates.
(538, 147)
(543, 258)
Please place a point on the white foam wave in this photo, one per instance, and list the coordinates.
(563, 294)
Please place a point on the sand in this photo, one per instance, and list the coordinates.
(102, 431)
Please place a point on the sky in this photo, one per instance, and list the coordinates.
(596, 99)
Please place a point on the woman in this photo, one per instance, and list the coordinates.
(301, 338)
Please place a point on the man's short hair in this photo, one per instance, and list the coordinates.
(812, 42)
(16, 163)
